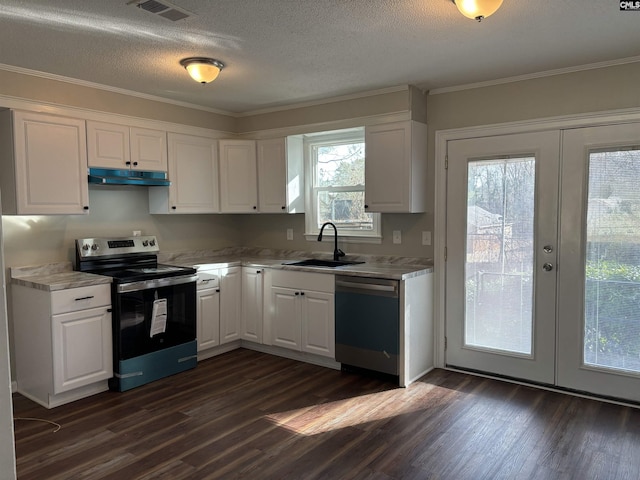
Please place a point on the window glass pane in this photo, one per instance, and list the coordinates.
(612, 280)
(499, 262)
(335, 187)
(340, 165)
(344, 209)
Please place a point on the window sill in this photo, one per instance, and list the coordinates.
(311, 237)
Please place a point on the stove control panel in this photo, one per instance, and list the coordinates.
(102, 247)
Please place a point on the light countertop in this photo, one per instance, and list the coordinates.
(55, 276)
(61, 276)
(367, 269)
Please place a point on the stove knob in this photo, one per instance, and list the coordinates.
(85, 247)
(152, 243)
(145, 243)
(94, 246)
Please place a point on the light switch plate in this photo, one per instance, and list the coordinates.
(289, 233)
(426, 238)
(397, 236)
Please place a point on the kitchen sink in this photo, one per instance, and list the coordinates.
(314, 262)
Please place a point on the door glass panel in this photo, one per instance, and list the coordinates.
(499, 259)
(612, 273)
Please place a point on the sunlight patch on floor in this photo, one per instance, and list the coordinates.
(353, 411)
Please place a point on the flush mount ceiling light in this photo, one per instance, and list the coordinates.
(202, 69)
(477, 9)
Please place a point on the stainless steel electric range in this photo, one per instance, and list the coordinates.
(154, 308)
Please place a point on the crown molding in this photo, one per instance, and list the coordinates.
(313, 103)
(531, 76)
(107, 88)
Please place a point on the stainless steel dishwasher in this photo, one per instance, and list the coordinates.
(368, 323)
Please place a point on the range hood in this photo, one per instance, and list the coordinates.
(107, 176)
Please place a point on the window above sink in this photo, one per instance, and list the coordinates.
(335, 185)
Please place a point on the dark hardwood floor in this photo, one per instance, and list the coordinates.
(249, 415)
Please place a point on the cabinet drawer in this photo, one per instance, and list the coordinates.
(208, 280)
(319, 282)
(73, 299)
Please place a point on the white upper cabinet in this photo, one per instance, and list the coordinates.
(193, 172)
(280, 175)
(395, 167)
(122, 147)
(238, 176)
(148, 149)
(108, 145)
(43, 164)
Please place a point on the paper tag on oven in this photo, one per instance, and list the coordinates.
(158, 317)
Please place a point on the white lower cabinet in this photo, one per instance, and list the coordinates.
(208, 318)
(63, 342)
(230, 303)
(82, 352)
(286, 314)
(252, 298)
(219, 308)
(318, 325)
(300, 312)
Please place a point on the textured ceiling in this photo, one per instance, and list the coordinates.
(281, 52)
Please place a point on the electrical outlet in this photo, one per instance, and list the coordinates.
(397, 236)
(426, 238)
(289, 233)
(137, 233)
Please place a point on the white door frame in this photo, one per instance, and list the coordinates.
(610, 117)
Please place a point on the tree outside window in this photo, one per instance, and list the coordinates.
(336, 190)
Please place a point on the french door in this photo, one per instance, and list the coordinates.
(543, 258)
(502, 203)
(599, 282)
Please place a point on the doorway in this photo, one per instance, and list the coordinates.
(542, 279)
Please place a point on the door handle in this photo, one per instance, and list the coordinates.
(547, 267)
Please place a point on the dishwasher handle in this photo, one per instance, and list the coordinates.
(368, 287)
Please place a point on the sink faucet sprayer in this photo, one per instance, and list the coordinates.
(337, 253)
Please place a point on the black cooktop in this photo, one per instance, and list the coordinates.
(150, 272)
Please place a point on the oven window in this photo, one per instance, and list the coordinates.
(133, 318)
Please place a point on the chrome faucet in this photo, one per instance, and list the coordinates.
(337, 253)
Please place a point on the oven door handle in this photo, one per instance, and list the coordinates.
(155, 283)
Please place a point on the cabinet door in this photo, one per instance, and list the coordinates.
(208, 317)
(395, 167)
(318, 325)
(252, 285)
(230, 303)
(51, 164)
(193, 171)
(82, 350)
(272, 176)
(108, 145)
(238, 176)
(285, 318)
(148, 149)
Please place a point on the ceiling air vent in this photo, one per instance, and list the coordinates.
(163, 8)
